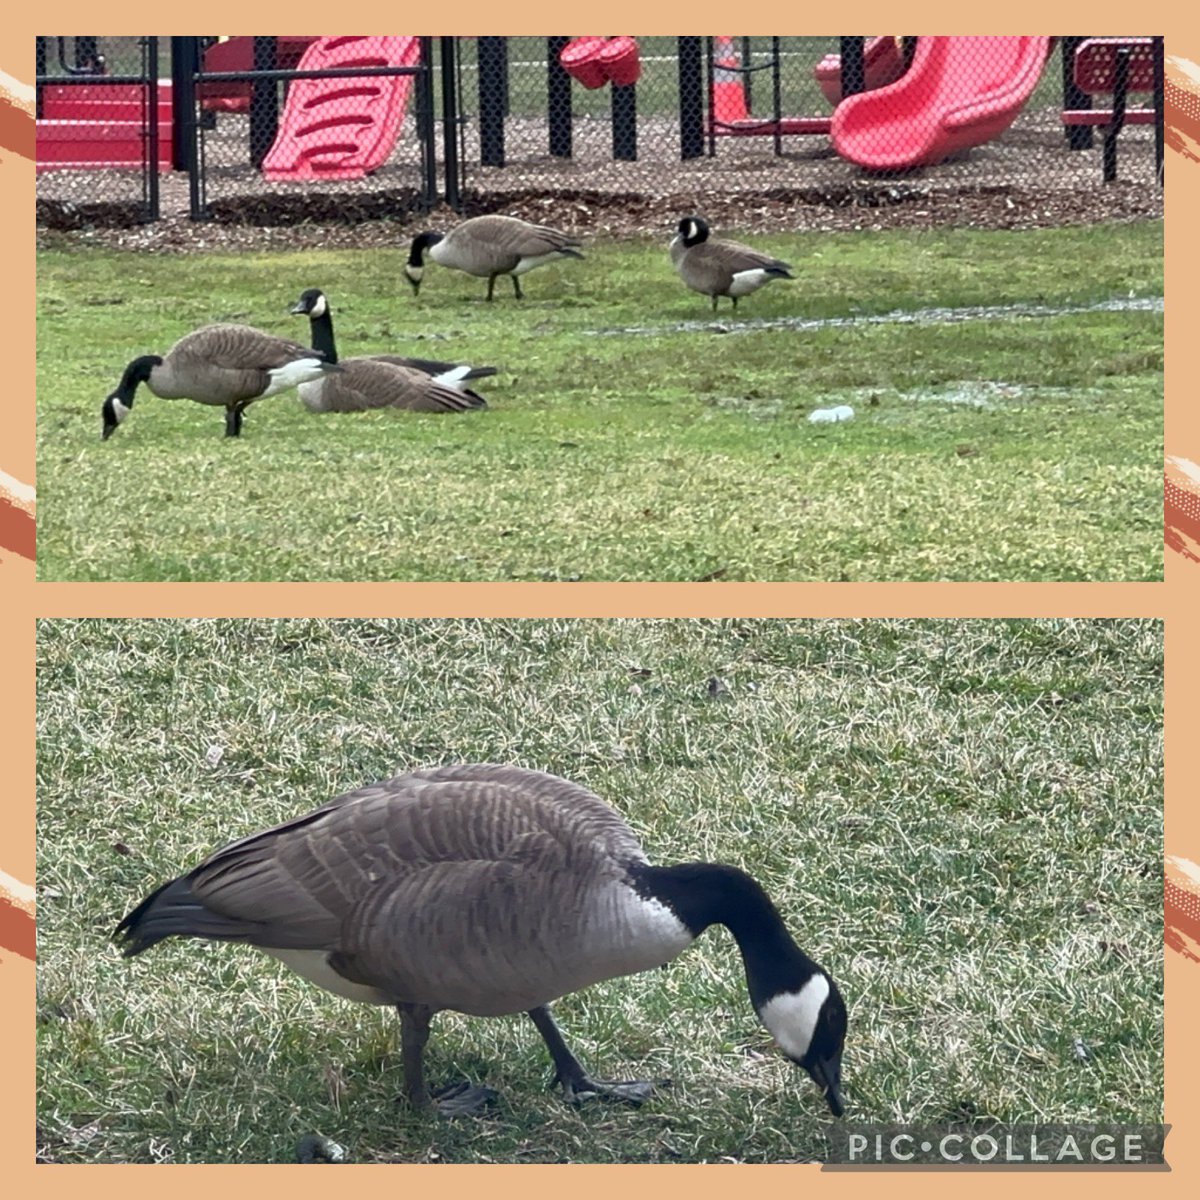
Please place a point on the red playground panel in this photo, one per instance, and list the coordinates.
(97, 125)
(67, 145)
(959, 92)
(1096, 65)
(343, 128)
(883, 62)
(237, 54)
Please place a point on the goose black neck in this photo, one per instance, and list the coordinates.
(421, 243)
(704, 894)
(137, 372)
(321, 335)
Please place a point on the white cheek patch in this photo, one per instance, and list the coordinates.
(693, 231)
(120, 411)
(414, 273)
(319, 308)
(791, 1017)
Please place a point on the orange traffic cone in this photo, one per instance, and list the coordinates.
(728, 83)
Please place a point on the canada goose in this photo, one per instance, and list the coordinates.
(718, 268)
(381, 380)
(488, 890)
(226, 365)
(490, 246)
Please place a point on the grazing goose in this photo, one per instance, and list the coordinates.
(381, 380)
(488, 890)
(718, 268)
(488, 247)
(225, 365)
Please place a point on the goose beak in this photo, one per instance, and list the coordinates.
(826, 1075)
(107, 432)
(298, 309)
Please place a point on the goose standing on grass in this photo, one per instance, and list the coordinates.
(488, 890)
(228, 366)
(719, 268)
(382, 380)
(489, 247)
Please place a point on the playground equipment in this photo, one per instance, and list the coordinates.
(959, 92)
(1116, 67)
(237, 54)
(884, 61)
(343, 128)
(595, 61)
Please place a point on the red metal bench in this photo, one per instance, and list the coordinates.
(1113, 66)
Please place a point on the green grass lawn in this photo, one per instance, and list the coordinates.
(961, 819)
(1002, 448)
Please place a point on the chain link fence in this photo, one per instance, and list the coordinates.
(96, 140)
(274, 130)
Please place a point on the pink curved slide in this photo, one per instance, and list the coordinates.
(343, 128)
(959, 92)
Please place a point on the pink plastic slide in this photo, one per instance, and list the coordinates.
(343, 128)
(959, 92)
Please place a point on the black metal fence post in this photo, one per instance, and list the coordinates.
(150, 128)
(43, 68)
(264, 102)
(493, 98)
(853, 64)
(691, 97)
(558, 99)
(185, 62)
(423, 118)
(453, 192)
(1079, 137)
(1159, 69)
(624, 122)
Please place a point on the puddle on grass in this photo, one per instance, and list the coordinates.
(920, 316)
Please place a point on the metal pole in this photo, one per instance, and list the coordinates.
(493, 86)
(1079, 137)
(624, 122)
(185, 62)
(558, 99)
(1158, 108)
(264, 103)
(748, 77)
(423, 117)
(691, 98)
(42, 67)
(450, 123)
(150, 108)
(777, 95)
(854, 65)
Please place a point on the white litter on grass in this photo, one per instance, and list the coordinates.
(826, 416)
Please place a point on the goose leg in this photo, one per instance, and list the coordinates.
(520, 295)
(577, 1085)
(491, 286)
(714, 300)
(233, 422)
(456, 1100)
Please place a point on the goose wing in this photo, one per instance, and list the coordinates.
(497, 243)
(367, 383)
(222, 364)
(734, 256)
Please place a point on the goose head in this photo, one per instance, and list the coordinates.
(312, 303)
(414, 269)
(693, 231)
(809, 1026)
(118, 402)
